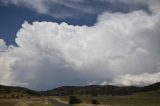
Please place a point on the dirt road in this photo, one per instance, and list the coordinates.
(56, 103)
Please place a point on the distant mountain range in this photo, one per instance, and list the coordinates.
(93, 90)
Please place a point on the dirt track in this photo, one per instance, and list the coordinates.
(56, 103)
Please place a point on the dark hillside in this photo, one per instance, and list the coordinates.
(11, 89)
(152, 87)
(93, 90)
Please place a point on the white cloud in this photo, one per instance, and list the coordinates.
(50, 54)
(55, 8)
(104, 83)
(3, 46)
(38, 5)
(138, 80)
(76, 8)
(5, 63)
(153, 4)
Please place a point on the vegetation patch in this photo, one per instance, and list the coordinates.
(95, 101)
(74, 100)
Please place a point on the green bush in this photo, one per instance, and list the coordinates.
(74, 100)
(94, 101)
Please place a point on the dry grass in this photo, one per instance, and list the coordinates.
(59, 100)
(24, 102)
(139, 99)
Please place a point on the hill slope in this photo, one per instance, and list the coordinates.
(151, 87)
(15, 92)
(89, 90)
(100, 90)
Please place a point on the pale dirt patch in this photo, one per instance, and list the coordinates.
(59, 100)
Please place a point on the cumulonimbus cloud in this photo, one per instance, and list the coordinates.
(117, 46)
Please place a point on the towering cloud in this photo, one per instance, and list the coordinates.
(121, 48)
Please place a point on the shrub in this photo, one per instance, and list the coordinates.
(94, 94)
(94, 101)
(21, 95)
(12, 96)
(74, 100)
(17, 96)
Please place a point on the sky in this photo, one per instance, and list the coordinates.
(50, 43)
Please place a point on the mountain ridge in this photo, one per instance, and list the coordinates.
(88, 90)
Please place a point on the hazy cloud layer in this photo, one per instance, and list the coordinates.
(121, 48)
(76, 8)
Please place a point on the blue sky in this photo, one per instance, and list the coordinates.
(13, 17)
(50, 43)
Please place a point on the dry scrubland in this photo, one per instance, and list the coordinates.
(151, 98)
(139, 99)
(25, 102)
